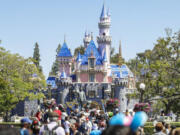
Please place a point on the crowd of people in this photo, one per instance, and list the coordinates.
(56, 120)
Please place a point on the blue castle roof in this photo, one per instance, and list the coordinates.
(63, 75)
(79, 57)
(103, 12)
(51, 78)
(64, 51)
(91, 50)
(121, 71)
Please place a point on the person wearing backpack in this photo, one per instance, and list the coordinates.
(53, 127)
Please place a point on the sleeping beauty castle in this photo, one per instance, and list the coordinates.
(92, 73)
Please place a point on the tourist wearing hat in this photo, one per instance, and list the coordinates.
(53, 126)
(25, 125)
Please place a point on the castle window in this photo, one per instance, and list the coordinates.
(91, 94)
(91, 77)
(104, 34)
(91, 63)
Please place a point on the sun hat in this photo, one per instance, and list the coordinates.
(26, 120)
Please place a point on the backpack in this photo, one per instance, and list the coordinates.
(50, 132)
(83, 127)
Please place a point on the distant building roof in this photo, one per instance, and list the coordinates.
(64, 51)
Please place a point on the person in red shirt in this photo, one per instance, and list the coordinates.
(38, 115)
(58, 112)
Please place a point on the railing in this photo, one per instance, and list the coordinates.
(101, 39)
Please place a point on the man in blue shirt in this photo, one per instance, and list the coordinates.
(25, 122)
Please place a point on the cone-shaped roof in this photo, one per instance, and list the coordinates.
(79, 57)
(64, 51)
(63, 75)
(103, 12)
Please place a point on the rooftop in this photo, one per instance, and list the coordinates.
(64, 51)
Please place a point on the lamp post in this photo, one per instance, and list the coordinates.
(49, 91)
(112, 90)
(142, 88)
(71, 92)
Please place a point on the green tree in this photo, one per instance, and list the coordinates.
(58, 49)
(55, 66)
(36, 56)
(115, 58)
(17, 79)
(159, 69)
(80, 50)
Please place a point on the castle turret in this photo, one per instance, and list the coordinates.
(65, 59)
(104, 38)
(78, 61)
(87, 39)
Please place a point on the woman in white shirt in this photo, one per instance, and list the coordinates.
(67, 126)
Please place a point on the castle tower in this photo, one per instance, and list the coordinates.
(86, 39)
(104, 38)
(65, 59)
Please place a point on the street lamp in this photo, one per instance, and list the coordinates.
(49, 91)
(142, 88)
(112, 90)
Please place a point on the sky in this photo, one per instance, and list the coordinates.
(137, 23)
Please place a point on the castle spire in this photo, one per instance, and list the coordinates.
(120, 50)
(91, 35)
(121, 60)
(104, 38)
(108, 12)
(86, 34)
(64, 38)
(103, 12)
(79, 57)
(86, 39)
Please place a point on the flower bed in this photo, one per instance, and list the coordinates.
(111, 104)
(142, 107)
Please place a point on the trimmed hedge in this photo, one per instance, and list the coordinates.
(148, 130)
(177, 124)
(9, 125)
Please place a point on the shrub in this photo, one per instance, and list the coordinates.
(148, 130)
